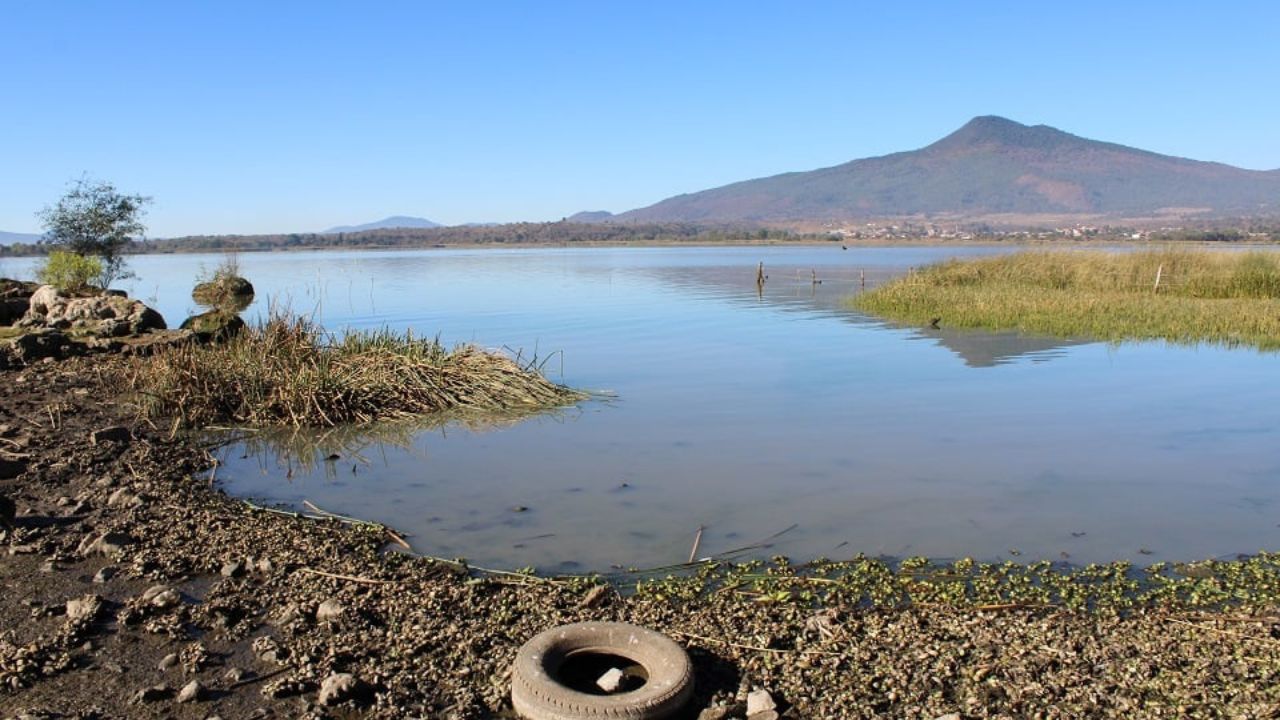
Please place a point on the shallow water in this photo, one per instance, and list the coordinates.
(752, 415)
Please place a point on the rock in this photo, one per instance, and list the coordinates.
(36, 345)
(191, 692)
(226, 291)
(22, 550)
(758, 702)
(161, 596)
(12, 310)
(104, 574)
(610, 681)
(84, 609)
(265, 566)
(268, 650)
(168, 661)
(329, 611)
(125, 499)
(595, 597)
(234, 675)
(214, 325)
(948, 716)
(340, 687)
(718, 712)
(151, 694)
(110, 434)
(233, 569)
(111, 543)
(103, 315)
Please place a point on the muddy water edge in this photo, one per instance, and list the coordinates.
(182, 584)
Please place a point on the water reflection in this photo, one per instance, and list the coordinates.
(797, 289)
(746, 413)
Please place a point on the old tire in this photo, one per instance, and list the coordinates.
(538, 694)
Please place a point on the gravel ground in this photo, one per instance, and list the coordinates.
(133, 588)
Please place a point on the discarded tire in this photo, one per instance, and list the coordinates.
(542, 689)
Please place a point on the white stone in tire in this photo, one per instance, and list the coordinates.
(536, 695)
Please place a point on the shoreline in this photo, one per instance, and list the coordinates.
(1069, 243)
(265, 606)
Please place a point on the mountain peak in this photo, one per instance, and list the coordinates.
(992, 130)
(393, 222)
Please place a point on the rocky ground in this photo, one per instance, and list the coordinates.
(131, 587)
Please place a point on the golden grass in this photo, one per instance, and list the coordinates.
(289, 372)
(1227, 298)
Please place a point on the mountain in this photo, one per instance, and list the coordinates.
(991, 166)
(590, 216)
(395, 221)
(9, 238)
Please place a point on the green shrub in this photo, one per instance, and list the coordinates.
(68, 271)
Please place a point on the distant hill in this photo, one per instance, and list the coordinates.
(988, 167)
(590, 216)
(395, 221)
(9, 238)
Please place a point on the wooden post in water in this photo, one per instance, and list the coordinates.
(1159, 272)
(862, 278)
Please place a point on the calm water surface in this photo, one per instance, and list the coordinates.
(753, 415)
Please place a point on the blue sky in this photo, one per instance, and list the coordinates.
(282, 116)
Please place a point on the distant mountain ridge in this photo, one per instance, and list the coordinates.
(395, 221)
(990, 166)
(9, 238)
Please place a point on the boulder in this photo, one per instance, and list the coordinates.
(101, 315)
(224, 292)
(214, 325)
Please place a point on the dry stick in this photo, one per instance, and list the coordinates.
(1159, 272)
(1268, 640)
(348, 578)
(356, 521)
(697, 540)
(258, 678)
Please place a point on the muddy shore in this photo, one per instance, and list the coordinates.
(133, 588)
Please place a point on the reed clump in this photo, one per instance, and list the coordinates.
(288, 371)
(1182, 296)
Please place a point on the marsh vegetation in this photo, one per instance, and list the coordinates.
(1183, 296)
(288, 371)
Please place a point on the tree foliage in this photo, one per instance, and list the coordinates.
(93, 219)
(69, 271)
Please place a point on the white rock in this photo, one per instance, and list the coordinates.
(760, 701)
(610, 681)
(161, 596)
(337, 688)
(329, 611)
(85, 608)
(190, 692)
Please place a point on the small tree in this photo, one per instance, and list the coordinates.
(94, 219)
(69, 271)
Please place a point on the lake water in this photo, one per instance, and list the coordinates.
(753, 415)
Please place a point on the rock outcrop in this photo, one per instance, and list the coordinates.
(107, 315)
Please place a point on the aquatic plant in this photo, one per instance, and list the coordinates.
(288, 371)
(1183, 296)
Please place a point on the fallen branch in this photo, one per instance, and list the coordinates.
(348, 578)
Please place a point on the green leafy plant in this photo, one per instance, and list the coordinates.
(69, 271)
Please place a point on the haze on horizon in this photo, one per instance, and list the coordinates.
(241, 118)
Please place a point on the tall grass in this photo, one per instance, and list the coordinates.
(287, 371)
(1226, 298)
